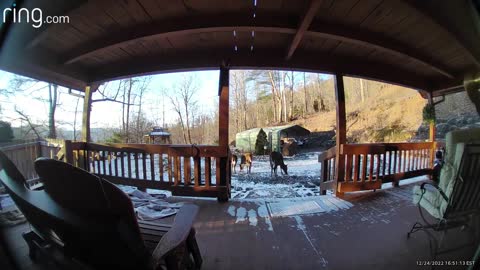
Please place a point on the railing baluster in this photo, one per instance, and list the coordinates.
(348, 168)
(357, 168)
(129, 163)
(177, 171)
(407, 160)
(370, 176)
(169, 168)
(377, 167)
(160, 165)
(109, 160)
(384, 165)
(144, 165)
(197, 170)
(102, 158)
(91, 162)
(137, 171)
(96, 161)
(187, 174)
(116, 163)
(208, 172)
(390, 162)
(395, 157)
(152, 166)
(364, 167)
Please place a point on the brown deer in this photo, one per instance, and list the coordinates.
(234, 162)
(276, 159)
(246, 161)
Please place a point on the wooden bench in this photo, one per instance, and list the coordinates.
(81, 221)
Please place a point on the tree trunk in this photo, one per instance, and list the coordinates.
(124, 126)
(305, 90)
(362, 91)
(52, 99)
(274, 96)
(127, 131)
(284, 98)
(75, 121)
(291, 96)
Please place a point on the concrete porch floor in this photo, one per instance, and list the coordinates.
(367, 231)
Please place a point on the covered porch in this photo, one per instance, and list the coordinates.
(372, 40)
(363, 230)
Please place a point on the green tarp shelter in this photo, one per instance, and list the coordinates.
(245, 140)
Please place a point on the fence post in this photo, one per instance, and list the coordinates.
(39, 151)
(68, 151)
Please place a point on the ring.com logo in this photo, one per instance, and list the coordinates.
(34, 16)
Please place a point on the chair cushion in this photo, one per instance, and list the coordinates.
(430, 201)
(452, 160)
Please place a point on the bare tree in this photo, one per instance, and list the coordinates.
(26, 118)
(75, 120)
(31, 87)
(52, 106)
(184, 104)
(305, 96)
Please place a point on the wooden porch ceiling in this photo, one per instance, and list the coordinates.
(428, 46)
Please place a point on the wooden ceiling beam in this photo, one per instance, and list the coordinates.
(303, 26)
(284, 25)
(268, 59)
(182, 26)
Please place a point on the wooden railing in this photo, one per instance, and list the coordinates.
(186, 170)
(23, 156)
(367, 166)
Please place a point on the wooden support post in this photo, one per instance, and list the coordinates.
(341, 129)
(87, 106)
(223, 93)
(68, 152)
(432, 131)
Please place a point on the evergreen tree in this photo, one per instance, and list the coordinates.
(261, 142)
(6, 132)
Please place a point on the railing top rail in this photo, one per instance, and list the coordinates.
(17, 146)
(174, 150)
(330, 153)
(376, 148)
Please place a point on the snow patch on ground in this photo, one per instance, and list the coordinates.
(241, 214)
(263, 213)
(303, 179)
(252, 217)
(231, 210)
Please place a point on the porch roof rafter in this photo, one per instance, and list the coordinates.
(429, 46)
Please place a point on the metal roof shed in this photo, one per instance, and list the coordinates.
(245, 141)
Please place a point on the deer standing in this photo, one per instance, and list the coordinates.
(276, 159)
(234, 162)
(246, 161)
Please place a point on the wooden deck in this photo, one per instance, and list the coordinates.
(371, 234)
